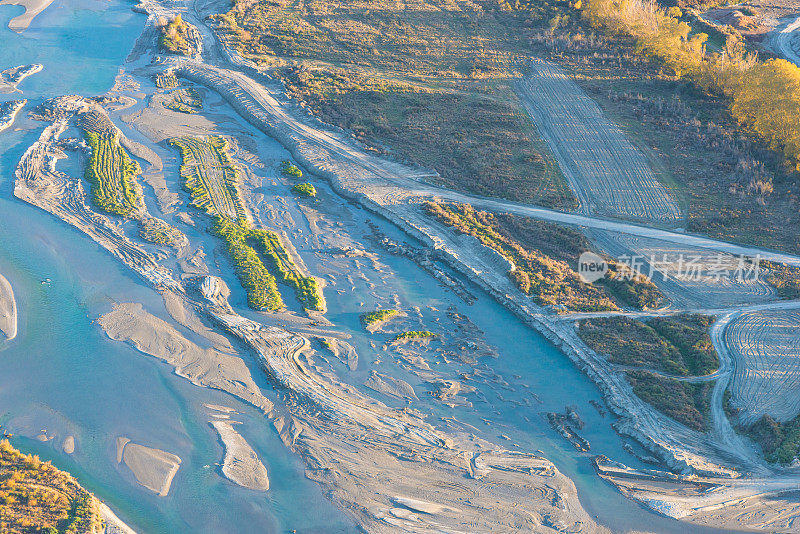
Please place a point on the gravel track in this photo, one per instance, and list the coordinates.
(787, 41)
(605, 171)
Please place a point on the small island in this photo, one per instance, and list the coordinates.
(305, 190)
(372, 321)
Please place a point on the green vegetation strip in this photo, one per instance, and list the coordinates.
(378, 316)
(269, 246)
(262, 291)
(547, 277)
(259, 257)
(678, 345)
(414, 334)
(210, 175)
(112, 175)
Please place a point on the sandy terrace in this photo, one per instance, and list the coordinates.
(690, 277)
(765, 346)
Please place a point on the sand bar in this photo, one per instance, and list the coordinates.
(241, 464)
(8, 310)
(153, 468)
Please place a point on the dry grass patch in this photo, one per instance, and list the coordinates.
(426, 81)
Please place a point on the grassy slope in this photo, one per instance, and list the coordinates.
(428, 80)
(677, 345)
(545, 256)
(35, 497)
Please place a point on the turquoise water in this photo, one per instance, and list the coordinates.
(63, 374)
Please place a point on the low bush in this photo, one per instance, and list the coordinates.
(305, 189)
(290, 169)
(377, 316)
(414, 334)
(780, 442)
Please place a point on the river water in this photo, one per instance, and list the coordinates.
(64, 375)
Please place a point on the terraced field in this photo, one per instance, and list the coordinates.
(765, 347)
(605, 171)
(210, 176)
(112, 175)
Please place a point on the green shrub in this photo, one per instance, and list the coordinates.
(687, 403)
(291, 170)
(414, 334)
(305, 189)
(377, 316)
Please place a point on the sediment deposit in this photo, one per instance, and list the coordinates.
(8, 310)
(241, 464)
(20, 23)
(153, 468)
(11, 78)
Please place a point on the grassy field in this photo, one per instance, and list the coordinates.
(678, 345)
(544, 255)
(37, 498)
(428, 82)
(259, 257)
(431, 83)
